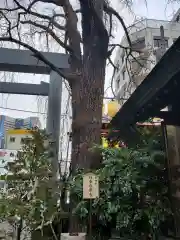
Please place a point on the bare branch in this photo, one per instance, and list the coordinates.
(48, 29)
(111, 11)
(10, 9)
(42, 16)
(118, 45)
(51, 33)
(111, 62)
(110, 27)
(73, 34)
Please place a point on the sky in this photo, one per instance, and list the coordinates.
(156, 9)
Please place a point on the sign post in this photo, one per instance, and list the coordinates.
(90, 191)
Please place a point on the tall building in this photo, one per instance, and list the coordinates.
(7, 123)
(145, 38)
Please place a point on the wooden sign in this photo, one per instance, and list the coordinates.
(76, 236)
(90, 186)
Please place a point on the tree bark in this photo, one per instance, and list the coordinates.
(87, 115)
(88, 92)
(87, 121)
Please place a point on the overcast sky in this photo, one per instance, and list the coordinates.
(156, 9)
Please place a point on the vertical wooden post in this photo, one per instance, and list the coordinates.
(172, 140)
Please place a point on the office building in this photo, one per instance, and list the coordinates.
(146, 39)
(7, 123)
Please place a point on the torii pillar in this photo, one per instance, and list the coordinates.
(172, 145)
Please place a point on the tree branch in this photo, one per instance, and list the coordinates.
(73, 34)
(125, 48)
(71, 22)
(42, 16)
(112, 79)
(51, 33)
(110, 25)
(90, 6)
(110, 10)
(111, 62)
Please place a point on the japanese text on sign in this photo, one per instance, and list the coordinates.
(90, 186)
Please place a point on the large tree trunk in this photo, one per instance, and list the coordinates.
(88, 91)
(87, 120)
(87, 115)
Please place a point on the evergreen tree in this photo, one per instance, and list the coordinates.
(29, 197)
(133, 190)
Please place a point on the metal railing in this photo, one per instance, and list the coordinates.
(151, 23)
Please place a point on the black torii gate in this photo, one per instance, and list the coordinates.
(158, 90)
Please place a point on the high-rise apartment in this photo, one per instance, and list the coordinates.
(145, 38)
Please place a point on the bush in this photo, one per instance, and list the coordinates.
(133, 190)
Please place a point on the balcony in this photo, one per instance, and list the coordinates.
(151, 23)
(139, 62)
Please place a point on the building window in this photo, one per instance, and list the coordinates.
(139, 44)
(25, 140)
(12, 139)
(158, 42)
(19, 123)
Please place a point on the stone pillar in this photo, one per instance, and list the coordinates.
(54, 116)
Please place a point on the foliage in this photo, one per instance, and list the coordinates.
(133, 189)
(29, 193)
